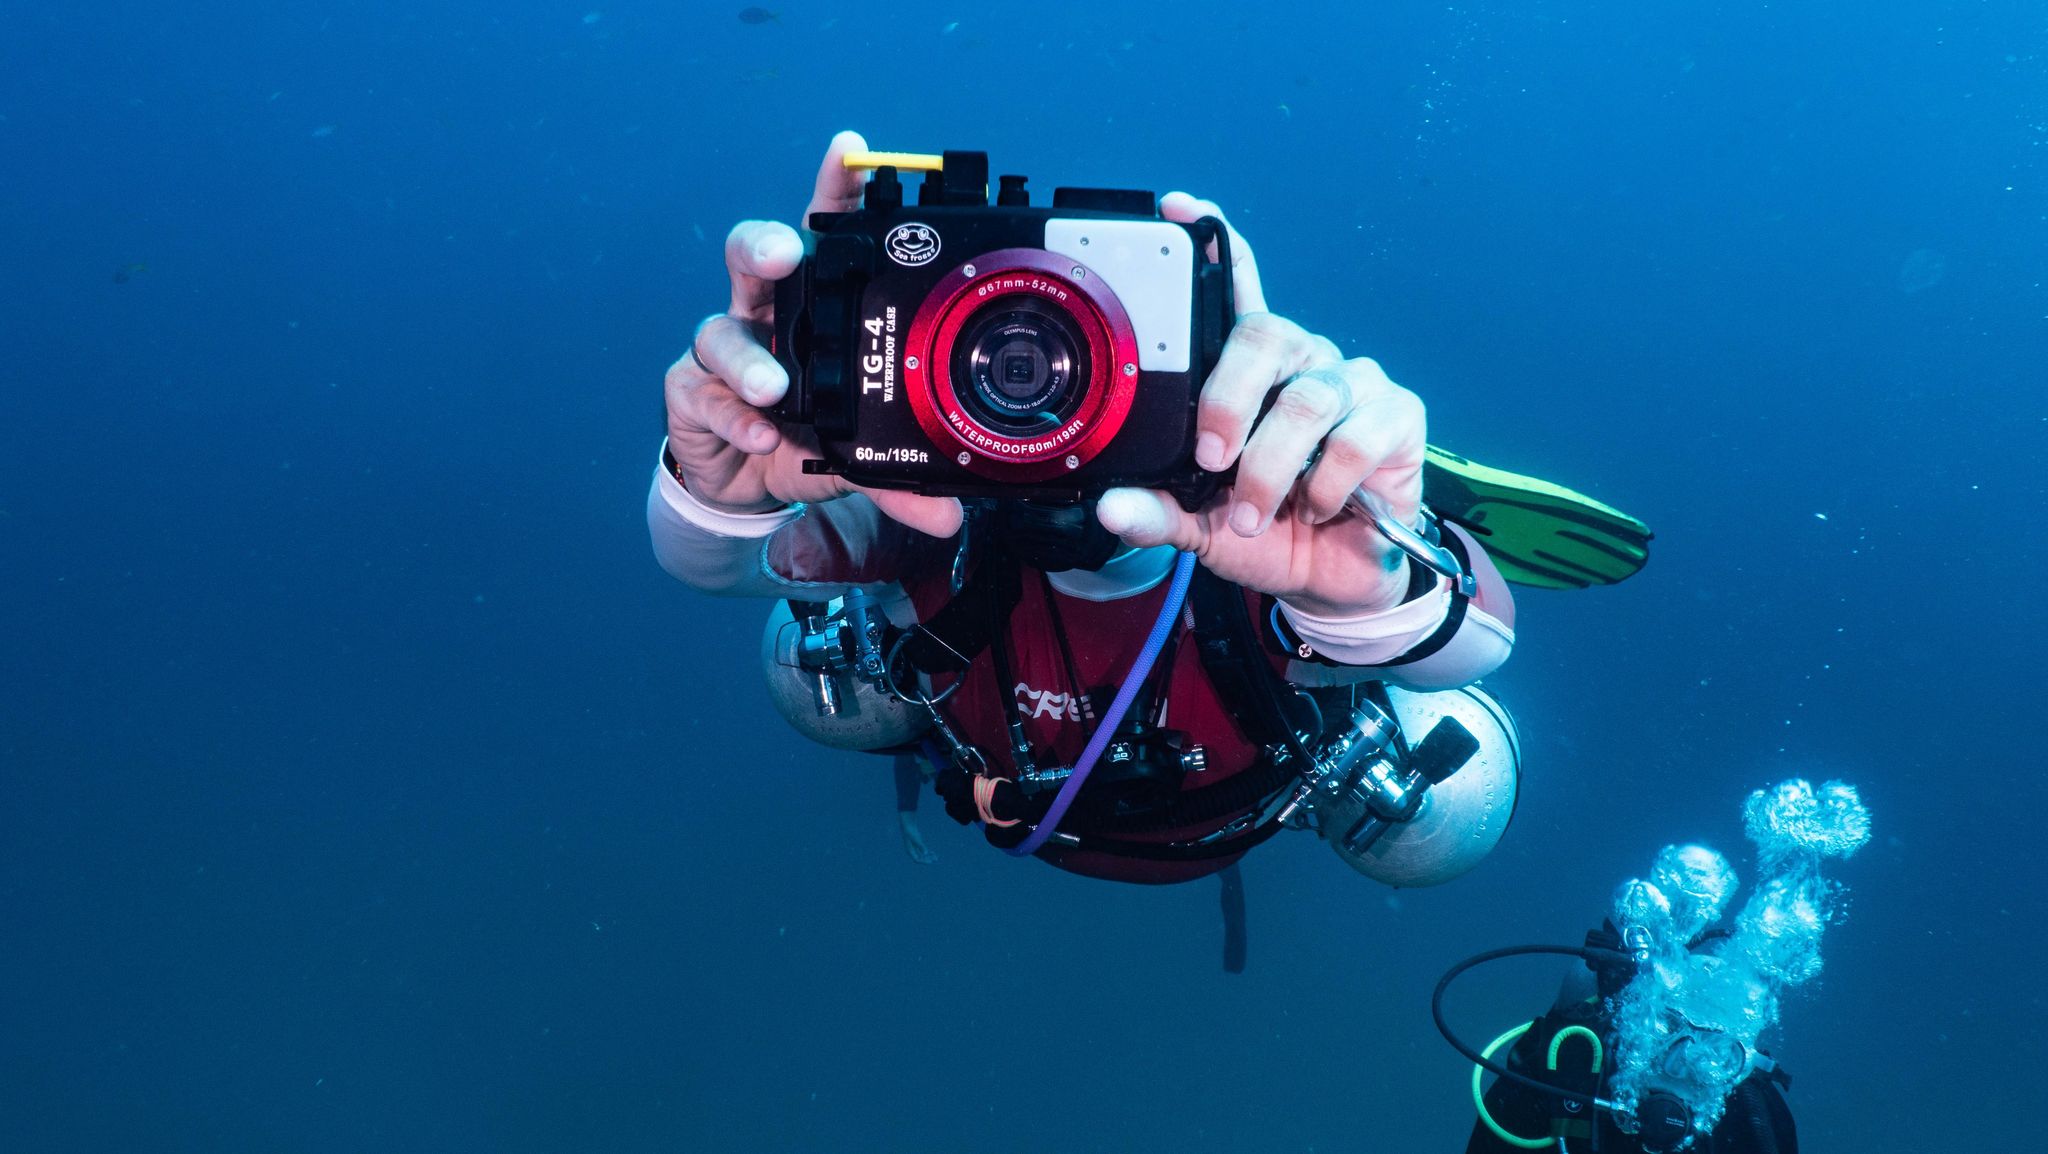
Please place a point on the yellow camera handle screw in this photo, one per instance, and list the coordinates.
(903, 161)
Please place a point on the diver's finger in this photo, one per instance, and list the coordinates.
(839, 187)
(757, 254)
(1244, 267)
(1364, 444)
(933, 516)
(1262, 351)
(1308, 407)
(715, 409)
(1399, 488)
(1143, 518)
(1402, 422)
(727, 348)
(705, 416)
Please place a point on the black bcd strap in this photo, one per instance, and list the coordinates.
(1269, 713)
(958, 631)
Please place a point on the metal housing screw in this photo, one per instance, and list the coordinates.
(965, 457)
(1130, 370)
(909, 362)
(1073, 462)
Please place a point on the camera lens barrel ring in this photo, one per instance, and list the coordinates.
(1020, 365)
(1027, 319)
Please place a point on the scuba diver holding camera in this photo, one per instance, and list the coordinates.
(1143, 568)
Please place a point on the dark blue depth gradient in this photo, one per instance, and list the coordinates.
(365, 786)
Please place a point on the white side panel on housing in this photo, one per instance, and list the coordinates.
(1150, 266)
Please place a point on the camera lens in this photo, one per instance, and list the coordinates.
(1023, 365)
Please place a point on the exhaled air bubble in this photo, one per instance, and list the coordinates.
(1687, 1024)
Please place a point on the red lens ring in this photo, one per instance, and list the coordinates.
(1105, 328)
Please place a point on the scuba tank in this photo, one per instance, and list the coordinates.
(820, 680)
(1421, 814)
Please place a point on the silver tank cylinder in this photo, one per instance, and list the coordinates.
(1462, 817)
(862, 716)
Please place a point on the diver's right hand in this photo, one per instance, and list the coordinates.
(732, 455)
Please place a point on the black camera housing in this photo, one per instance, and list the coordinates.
(967, 349)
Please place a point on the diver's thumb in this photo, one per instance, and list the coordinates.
(934, 516)
(1147, 517)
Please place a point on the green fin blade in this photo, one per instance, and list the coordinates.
(1539, 533)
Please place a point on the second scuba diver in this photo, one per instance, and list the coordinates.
(1654, 1047)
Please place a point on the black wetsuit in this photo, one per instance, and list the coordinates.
(1757, 1119)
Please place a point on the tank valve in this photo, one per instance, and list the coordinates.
(1405, 814)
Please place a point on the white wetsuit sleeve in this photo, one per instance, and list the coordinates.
(809, 552)
(1435, 641)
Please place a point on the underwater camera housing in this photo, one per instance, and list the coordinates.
(960, 348)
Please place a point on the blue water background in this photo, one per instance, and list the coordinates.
(365, 786)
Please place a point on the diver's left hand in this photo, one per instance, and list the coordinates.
(1300, 536)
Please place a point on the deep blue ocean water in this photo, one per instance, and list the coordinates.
(365, 786)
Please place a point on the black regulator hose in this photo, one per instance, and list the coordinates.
(1593, 955)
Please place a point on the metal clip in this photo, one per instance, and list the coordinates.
(1424, 546)
(964, 756)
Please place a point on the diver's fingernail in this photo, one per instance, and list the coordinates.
(1244, 519)
(761, 435)
(1209, 451)
(771, 247)
(1116, 513)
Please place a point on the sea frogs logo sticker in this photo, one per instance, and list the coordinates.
(912, 244)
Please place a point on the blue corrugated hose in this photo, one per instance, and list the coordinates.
(1176, 593)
